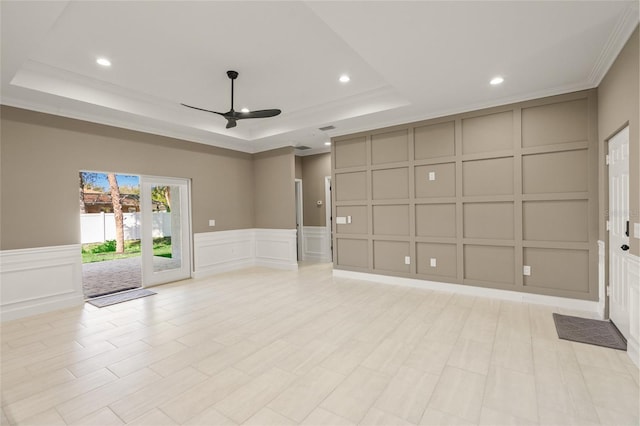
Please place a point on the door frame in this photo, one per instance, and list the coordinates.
(299, 215)
(188, 223)
(328, 215)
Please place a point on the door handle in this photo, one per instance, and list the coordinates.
(624, 247)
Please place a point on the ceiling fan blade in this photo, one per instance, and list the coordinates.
(264, 113)
(205, 110)
(231, 123)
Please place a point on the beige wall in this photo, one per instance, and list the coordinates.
(274, 177)
(42, 154)
(298, 167)
(483, 193)
(618, 100)
(314, 169)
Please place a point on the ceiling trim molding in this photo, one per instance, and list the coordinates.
(125, 124)
(616, 41)
(468, 108)
(313, 151)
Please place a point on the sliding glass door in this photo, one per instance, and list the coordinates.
(166, 243)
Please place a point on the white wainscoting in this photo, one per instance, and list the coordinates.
(633, 343)
(222, 251)
(39, 280)
(316, 244)
(602, 300)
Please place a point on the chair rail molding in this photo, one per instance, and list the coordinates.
(39, 280)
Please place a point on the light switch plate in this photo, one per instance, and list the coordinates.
(407, 260)
(348, 219)
(341, 220)
(212, 222)
(433, 262)
(526, 270)
(432, 175)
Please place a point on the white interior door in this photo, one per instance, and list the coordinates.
(619, 230)
(166, 230)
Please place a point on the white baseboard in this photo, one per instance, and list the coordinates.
(316, 244)
(560, 302)
(223, 251)
(40, 280)
(633, 342)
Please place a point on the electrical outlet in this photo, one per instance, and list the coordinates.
(212, 222)
(526, 270)
(407, 260)
(433, 262)
(432, 175)
(348, 219)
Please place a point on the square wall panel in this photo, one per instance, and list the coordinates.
(354, 253)
(390, 184)
(557, 269)
(350, 152)
(443, 183)
(487, 133)
(492, 221)
(359, 220)
(434, 141)
(566, 220)
(488, 177)
(389, 256)
(390, 147)
(555, 123)
(444, 256)
(391, 220)
(436, 220)
(351, 186)
(554, 172)
(489, 263)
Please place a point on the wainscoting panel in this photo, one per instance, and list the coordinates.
(39, 280)
(216, 252)
(633, 343)
(316, 244)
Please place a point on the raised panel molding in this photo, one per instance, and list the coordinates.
(316, 244)
(222, 251)
(39, 280)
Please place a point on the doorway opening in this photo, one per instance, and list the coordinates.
(110, 232)
(135, 231)
(328, 215)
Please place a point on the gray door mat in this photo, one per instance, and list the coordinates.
(124, 296)
(590, 331)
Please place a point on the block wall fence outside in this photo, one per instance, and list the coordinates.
(484, 193)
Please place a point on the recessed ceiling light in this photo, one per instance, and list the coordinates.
(104, 62)
(344, 78)
(327, 143)
(244, 110)
(496, 80)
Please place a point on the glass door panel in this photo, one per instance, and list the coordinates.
(165, 228)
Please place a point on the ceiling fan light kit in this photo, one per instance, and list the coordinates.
(233, 116)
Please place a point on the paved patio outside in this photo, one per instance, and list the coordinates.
(120, 274)
(111, 276)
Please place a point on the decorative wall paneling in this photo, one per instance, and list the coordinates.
(472, 198)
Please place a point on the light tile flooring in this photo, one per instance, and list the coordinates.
(264, 347)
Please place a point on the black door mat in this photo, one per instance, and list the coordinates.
(590, 331)
(124, 296)
(90, 296)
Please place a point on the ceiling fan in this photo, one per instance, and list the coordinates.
(232, 116)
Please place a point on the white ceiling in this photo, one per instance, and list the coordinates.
(407, 61)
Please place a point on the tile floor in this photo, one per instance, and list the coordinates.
(264, 347)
